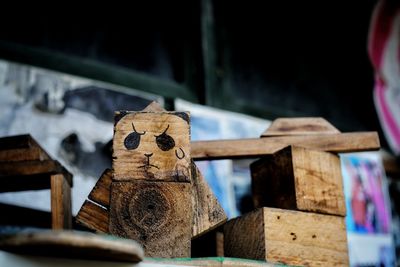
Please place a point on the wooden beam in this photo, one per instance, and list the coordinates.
(93, 217)
(288, 237)
(60, 202)
(247, 148)
(20, 168)
(21, 148)
(300, 126)
(207, 212)
(296, 178)
(100, 194)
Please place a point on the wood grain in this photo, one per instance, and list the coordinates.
(151, 146)
(61, 217)
(299, 178)
(101, 191)
(245, 148)
(207, 212)
(280, 236)
(72, 244)
(156, 214)
(20, 168)
(300, 126)
(21, 148)
(93, 217)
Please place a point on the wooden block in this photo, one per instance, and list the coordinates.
(151, 146)
(94, 217)
(156, 214)
(299, 178)
(101, 191)
(60, 202)
(256, 147)
(207, 212)
(210, 244)
(72, 244)
(288, 237)
(300, 126)
(21, 148)
(21, 168)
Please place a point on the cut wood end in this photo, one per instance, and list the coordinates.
(300, 126)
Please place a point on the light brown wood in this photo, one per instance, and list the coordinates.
(156, 214)
(61, 217)
(153, 107)
(299, 178)
(100, 193)
(244, 148)
(300, 126)
(73, 244)
(21, 148)
(288, 237)
(151, 146)
(93, 217)
(207, 212)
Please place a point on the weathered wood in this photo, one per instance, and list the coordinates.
(61, 217)
(72, 244)
(300, 126)
(210, 244)
(153, 107)
(101, 191)
(299, 178)
(21, 148)
(289, 237)
(151, 146)
(207, 212)
(93, 217)
(20, 168)
(245, 148)
(156, 214)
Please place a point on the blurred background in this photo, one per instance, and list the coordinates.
(235, 65)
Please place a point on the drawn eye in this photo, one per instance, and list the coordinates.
(164, 141)
(132, 141)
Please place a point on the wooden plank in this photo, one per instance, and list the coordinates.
(299, 178)
(20, 168)
(300, 126)
(101, 191)
(25, 217)
(156, 214)
(207, 212)
(151, 146)
(21, 148)
(72, 244)
(60, 202)
(245, 148)
(210, 244)
(280, 236)
(93, 217)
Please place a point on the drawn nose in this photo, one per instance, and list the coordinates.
(148, 155)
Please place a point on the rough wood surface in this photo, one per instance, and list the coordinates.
(244, 148)
(299, 178)
(9, 169)
(289, 237)
(156, 214)
(151, 146)
(101, 191)
(93, 217)
(73, 244)
(207, 212)
(61, 217)
(300, 126)
(21, 148)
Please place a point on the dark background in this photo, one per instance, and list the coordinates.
(264, 58)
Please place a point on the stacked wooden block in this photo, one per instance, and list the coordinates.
(24, 165)
(299, 200)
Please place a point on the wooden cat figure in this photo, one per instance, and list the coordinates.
(155, 195)
(151, 185)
